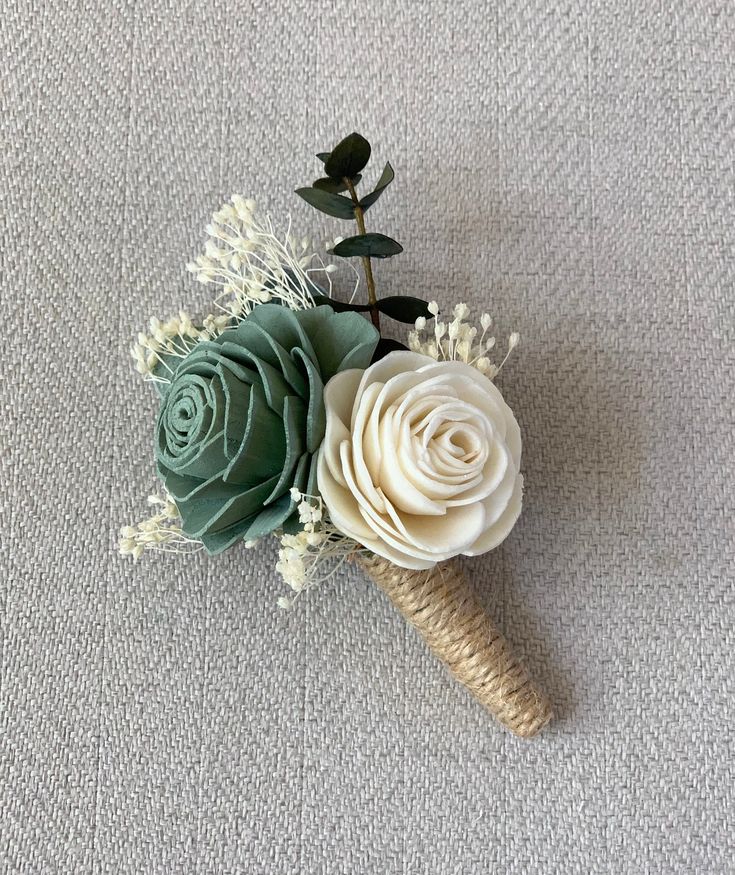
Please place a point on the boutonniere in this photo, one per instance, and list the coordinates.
(288, 413)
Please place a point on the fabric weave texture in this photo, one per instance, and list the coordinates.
(568, 166)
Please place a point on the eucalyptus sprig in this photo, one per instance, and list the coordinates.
(343, 167)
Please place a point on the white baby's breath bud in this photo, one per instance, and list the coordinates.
(295, 494)
(192, 267)
(330, 268)
(243, 213)
(284, 603)
(433, 308)
(251, 205)
(513, 340)
(420, 323)
(461, 311)
(250, 544)
(486, 321)
(463, 351)
(126, 546)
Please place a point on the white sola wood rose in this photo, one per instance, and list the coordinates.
(420, 461)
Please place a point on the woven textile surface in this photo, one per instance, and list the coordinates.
(568, 166)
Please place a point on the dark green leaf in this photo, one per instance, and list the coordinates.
(340, 306)
(322, 156)
(370, 245)
(404, 308)
(348, 157)
(385, 180)
(334, 185)
(386, 345)
(331, 204)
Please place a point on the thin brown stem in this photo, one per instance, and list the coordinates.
(366, 263)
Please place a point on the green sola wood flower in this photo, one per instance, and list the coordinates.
(243, 417)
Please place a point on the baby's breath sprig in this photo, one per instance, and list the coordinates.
(458, 340)
(174, 338)
(314, 555)
(161, 531)
(251, 264)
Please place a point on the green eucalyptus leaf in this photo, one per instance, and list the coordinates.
(348, 157)
(386, 345)
(340, 306)
(368, 245)
(386, 177)
(404, 308)
(334, 185)
(323, 156)
(329, 203)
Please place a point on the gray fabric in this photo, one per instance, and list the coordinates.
(570, 167)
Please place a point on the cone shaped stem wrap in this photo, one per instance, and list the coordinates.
(440, 604)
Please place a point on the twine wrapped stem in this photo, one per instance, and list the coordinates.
(440, 604)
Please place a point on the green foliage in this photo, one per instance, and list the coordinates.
(327, 202)
(343, 167)
(386, 345)
(386, 177)
(335, 185)
(368, 246)
(340, 306)
(348, 157)
(404, 308)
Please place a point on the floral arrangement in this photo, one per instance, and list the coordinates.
(288, 413)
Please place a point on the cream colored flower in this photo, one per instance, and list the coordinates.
(421, 459)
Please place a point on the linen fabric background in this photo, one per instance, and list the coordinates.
(568, 166)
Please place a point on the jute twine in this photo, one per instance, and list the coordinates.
(441, 605)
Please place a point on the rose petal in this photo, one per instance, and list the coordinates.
(499, 531)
